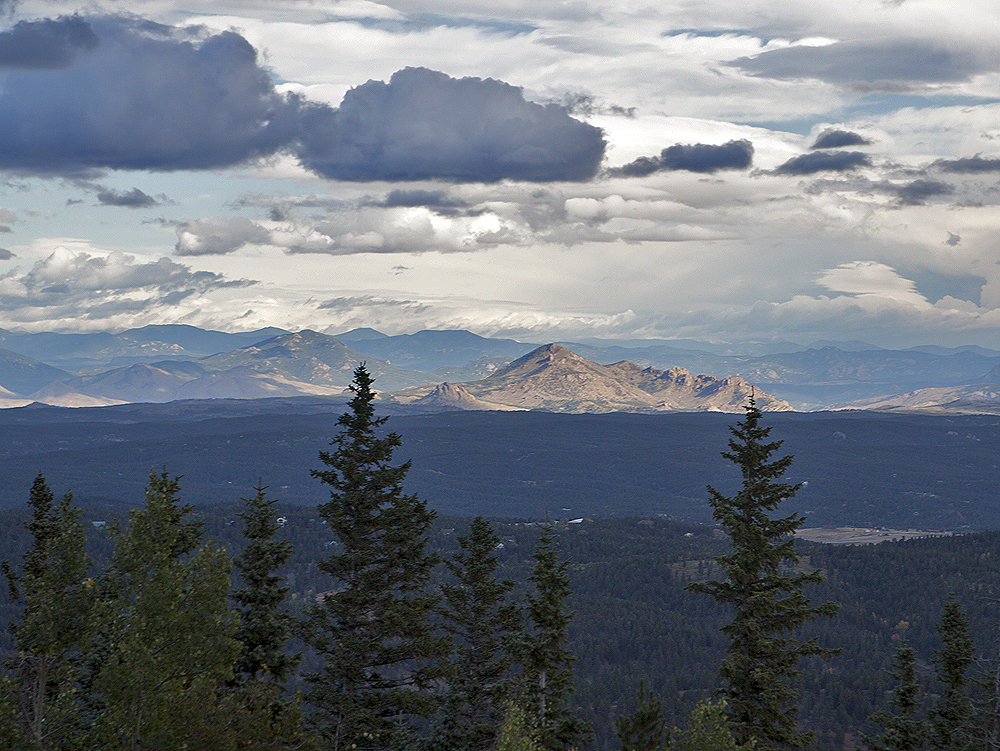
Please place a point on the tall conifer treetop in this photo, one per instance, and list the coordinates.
(768, 600)
(265, 627)
(373, 629)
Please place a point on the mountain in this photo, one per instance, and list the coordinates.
(554, 378)
(194, 339)
(431, 350)
(247, 383)
(982, 398)
(142, 382)
(301, 364)
(449, 397)
(23, 375)
(90, 351)
(813, 378)
(314, 358)
(61, 395)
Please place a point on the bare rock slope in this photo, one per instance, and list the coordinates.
(554, 378)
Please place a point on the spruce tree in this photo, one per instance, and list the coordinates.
(254, 710)
(904, 730)
(265, 627)
(768, 601)
(373, 629)
(56, 624)
(480, 621)
(547, 675)
(951, 717)
(645, 729)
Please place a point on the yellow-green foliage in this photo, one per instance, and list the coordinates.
(517, 732)
(708, 730)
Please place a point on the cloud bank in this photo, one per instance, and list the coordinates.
(838, 139)
(81, 95)
(824, 161)
(423, 125)
(886, 64)
(692, 157)
(83, 286)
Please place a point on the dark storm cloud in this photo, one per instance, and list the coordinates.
(46, 44)
(915, 193)
(692, 157)
(838, 139)
(432, 198)
(82, 95)
(130, 199)
(875, 62)
(6, 255)
(146, 97)
(823, 161)
(969, 165)
(423, 124)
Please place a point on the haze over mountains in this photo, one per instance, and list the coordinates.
(438, 370)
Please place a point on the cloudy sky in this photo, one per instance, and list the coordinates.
(727, 171)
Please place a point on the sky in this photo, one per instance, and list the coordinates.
(725, 171)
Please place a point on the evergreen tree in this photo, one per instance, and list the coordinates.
(480, 621)
(547, 677)
(904, 731)
(951, 717)
(373, 630)
(708, 729)
(253, 711)
(56, 624)
(170, 633)
(265, 627)
(645, 729)
(769, 603)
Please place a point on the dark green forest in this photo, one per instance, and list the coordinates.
(629, 621)
(862, 468)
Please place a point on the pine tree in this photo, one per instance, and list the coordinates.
(170, 633)
(56, 624)
(904, 731)
(769, 603)
(645, 729)
(951, 717)
(547, 677)
(373, 630)
(480, 621)
(265, 627)
(253, 711)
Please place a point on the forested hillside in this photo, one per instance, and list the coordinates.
(862, 469)
(414, 632)
(634, 621)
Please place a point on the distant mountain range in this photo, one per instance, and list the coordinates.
(556, 379)
(166, 363)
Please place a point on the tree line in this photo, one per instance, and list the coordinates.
(157, 652)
